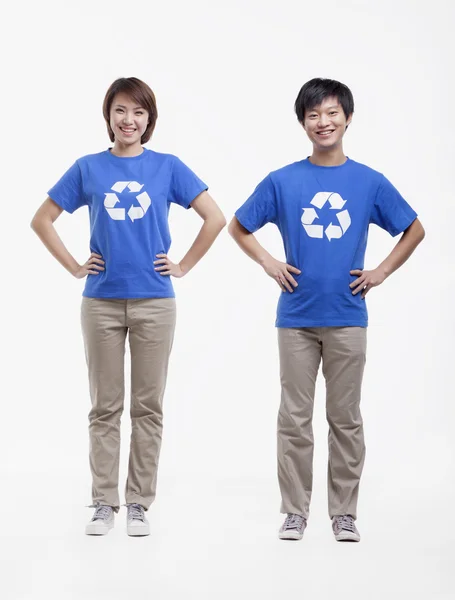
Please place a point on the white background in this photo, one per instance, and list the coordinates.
(226, 76)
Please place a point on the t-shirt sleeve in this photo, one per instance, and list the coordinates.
(260, 208)
(390, 210)
(68, 192)
(185, 185)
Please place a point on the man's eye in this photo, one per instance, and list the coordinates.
(334, 112)
(139, 113)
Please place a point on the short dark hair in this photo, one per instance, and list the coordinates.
(138, 91)
(316, 90)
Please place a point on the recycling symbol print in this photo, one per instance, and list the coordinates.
(332, 231)
(134, 212)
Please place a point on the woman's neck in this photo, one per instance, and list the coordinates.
(126, 149)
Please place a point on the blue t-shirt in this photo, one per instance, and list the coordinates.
(323, 215)
(128, 200)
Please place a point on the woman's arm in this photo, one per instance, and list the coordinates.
(43, 225)
(279, 271)
(214, 222)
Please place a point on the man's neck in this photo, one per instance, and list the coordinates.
(328, 158)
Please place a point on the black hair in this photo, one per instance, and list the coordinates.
(316, 90)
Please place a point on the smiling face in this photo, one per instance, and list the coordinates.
(326, 124)
(128, 121)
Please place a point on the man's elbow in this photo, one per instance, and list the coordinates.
(233, 227)
(420, 231)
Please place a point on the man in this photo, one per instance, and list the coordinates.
(323, 206)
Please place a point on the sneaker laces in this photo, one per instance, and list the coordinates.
(102, 512)
(345, 522)
(294, 521)
(136, 511)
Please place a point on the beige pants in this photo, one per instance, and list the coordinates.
(343, 351)
(150, 325)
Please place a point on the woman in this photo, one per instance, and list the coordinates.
(128, 190)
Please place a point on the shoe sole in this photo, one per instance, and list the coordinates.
(138, 531)
(98, 529)
(290, 536)
(346, 536)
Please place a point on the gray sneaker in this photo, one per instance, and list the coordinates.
(292, 528)
(102, 521)
(136, 523)
(344, 529)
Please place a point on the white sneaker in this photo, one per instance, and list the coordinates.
(136, 523)
(293, 527)
(102, 521)
(344, 529)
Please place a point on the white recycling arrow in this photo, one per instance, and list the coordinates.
(336, 201)
(314, 231)
(320, 199)
(144, 201)
(120, 186)
(135, 212)
(134, 186)
(333, 231)
(344, 219)
(110, 200)
(118, 214)
(309, 215)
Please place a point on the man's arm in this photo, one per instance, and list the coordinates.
(279, 271)
(406, 245)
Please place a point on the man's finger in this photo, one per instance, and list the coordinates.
(165, 273)
(356, 272)
(358, 289)
(356, 282)
(160, 261)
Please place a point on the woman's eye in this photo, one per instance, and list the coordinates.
(139, 113)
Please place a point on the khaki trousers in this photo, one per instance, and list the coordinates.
(150, 325)
(343, 353)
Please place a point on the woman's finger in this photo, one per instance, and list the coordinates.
(278, 280)
(160, 261)
(293, 269)
(166, 273)
(366, 290)
(162, 268)
(291, 279)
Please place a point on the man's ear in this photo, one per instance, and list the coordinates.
(348, 121)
